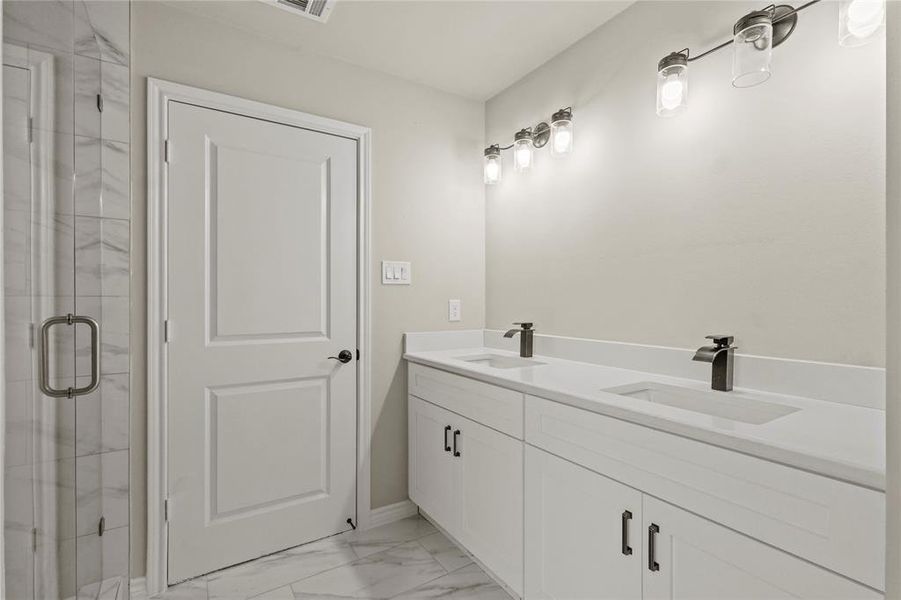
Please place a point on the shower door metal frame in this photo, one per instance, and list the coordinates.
(159, 94)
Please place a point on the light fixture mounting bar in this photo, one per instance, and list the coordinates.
(782, 13)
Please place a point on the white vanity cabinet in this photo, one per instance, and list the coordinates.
(583, 533)
(469, 479)
(687, 557)
(565, 503)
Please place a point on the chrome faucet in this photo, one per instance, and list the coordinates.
(722, 355)
(525, 340)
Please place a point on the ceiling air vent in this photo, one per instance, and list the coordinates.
(318, 10)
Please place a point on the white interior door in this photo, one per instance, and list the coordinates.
(261, 291)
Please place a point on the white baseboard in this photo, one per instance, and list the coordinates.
(393, 512)
(138, 588)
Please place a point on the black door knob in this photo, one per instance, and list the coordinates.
(345, 356)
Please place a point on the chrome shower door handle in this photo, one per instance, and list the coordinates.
(69, 392)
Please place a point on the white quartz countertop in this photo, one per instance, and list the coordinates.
(836, 440)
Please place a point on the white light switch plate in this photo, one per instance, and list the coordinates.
(453, 310)
(396, 273)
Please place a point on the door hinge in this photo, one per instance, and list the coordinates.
(167, 331)
(358, 354)
(34, 539)
(167, 152)
(101, 526)
(166, 510)
(99, 103)
(30, 132)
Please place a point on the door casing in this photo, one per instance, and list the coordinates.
(159, 94)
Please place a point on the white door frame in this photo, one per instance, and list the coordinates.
(159, 93)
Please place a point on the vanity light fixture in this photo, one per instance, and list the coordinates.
(754, 37)
(562, 132)
(860, 21)
(494, 165)
(559, 133)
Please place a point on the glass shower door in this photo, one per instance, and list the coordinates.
(66, 224)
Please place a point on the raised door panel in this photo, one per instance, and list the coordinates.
(489, 495)
(582, 533)
(431, 464)
(697, 559)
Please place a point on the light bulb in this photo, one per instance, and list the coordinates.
(522, 150)
(523, 157)
(561, 141)
(493, 170)
(860, 21)
(672, 84)
(562, 133)
(671, 94)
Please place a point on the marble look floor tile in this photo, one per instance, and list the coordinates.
(282, 593)
(387, 536)
(445, 551)
(467, 583)
(195, 589)
(381, 575)
(47, 24)
(270, 572)
(101, 29)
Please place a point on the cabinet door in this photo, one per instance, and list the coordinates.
(431, 467)
(689, 557)
(580, 542)
(489, 491)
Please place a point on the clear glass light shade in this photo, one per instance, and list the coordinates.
(860, 21)
(561, 138)
(751, 55)
(523, 155)
(672, 90)
(494, 169)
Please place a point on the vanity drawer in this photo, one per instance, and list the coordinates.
(835, 524)
(494, 406)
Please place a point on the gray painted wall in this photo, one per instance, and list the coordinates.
(759, 212)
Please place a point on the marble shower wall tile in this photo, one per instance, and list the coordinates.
(88, 170)
(101, 417)
(49, 24)
(54, 502)
(114, 547)
(112, 313)
(54, 568)
(101, 29)
(101, 179)
(101, 257)
(16, 263)
(19, 423)
(115, 180)
(102, 491)
(87, 87)
(114, 87)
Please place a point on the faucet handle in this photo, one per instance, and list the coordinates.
(721, 341)
(525, 325)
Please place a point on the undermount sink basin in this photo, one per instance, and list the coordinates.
(734, 406)
(499, 361)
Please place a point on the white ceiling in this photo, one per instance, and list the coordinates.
(471, 48)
